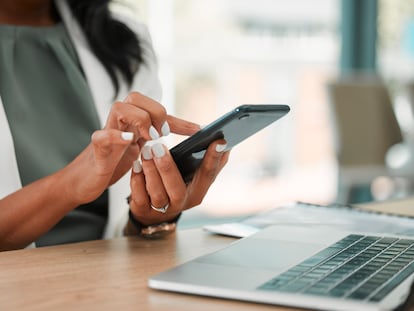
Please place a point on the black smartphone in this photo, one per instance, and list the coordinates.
(235, 126)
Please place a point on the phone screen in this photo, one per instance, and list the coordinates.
(235, 126)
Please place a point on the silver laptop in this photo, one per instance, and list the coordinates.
(298, 266)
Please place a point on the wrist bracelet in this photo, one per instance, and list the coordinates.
(156, 230)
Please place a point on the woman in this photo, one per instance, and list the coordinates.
(63, 65)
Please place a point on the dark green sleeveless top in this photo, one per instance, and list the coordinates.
(50, 111)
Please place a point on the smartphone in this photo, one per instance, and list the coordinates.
(235, 126)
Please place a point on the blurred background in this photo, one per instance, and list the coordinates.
(345, 67)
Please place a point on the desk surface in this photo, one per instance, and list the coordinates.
(107, 275)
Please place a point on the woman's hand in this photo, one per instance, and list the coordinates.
(158, 183)
(31, 211)
(114, 148)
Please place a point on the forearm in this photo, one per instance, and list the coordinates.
(31, 211)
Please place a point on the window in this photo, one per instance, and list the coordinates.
(396, 56)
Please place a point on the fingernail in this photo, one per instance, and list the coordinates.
(136, 166)
(127, 135)
(146, 153)
(165, 129)
(126, 99)
(153, 133)
(158, 150)
(220, 147)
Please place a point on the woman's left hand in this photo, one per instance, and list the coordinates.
(158, 182)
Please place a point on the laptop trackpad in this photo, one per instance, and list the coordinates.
(262, 254)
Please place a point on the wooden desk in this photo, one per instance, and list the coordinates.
(107, 275)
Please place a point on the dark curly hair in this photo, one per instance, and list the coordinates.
(114, 44)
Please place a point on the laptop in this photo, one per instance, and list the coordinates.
(302, 266)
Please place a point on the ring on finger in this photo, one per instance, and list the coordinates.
(162, 209)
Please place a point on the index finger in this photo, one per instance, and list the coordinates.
(181, 126)
(157, 112)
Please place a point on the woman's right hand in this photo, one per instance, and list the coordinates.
(114, 148)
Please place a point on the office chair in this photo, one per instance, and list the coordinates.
(366, 127)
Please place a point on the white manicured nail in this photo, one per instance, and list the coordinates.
(127, 135)
(158, 150)
(220, 147)
(153, 133)
(146, 153)
(165, 129)
(136, 166)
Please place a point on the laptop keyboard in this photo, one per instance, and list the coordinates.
(358, 267)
